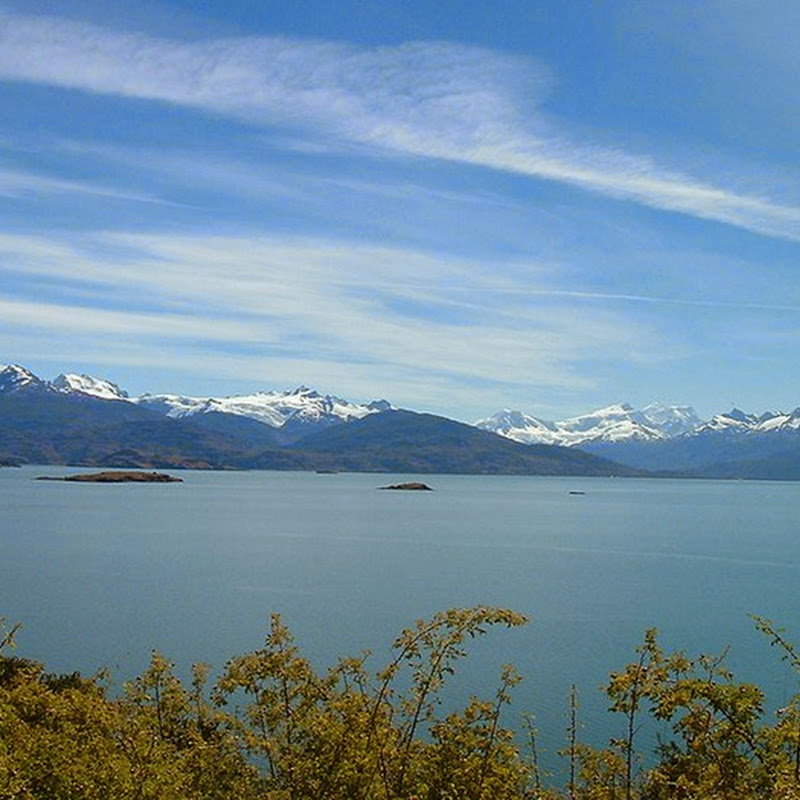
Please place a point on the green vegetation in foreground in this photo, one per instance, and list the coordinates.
(272, 728)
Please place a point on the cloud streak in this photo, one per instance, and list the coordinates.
(19, 183)
(434, 100)
(331, 307)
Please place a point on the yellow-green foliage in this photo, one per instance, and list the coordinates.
(63, 737)
(273, 728)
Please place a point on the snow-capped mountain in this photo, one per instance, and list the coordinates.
(268, 430)
(776, 421)
(521, 427)
(276, 409)
(300, 411)
(619, 422)
(86, 384)
(671, 420)
(733, 421)
(610, 424)
(14, 377)
(737, 422)
(622, 423)
(295, 412)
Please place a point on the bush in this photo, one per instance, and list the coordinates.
(272, 728)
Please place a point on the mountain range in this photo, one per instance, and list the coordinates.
(622, 423)
(82, 419)
(671, 439)
(614, 423)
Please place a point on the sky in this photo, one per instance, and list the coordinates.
(459, 206)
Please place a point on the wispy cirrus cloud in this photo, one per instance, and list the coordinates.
(18, 183)
(76, 318)
(320, 308)
(428, 99)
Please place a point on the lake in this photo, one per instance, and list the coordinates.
(100, 574)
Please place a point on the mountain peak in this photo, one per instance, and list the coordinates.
(299, 409)
(305, 391)
(738, 414)
(670, 419)
(614, 423)
(87, 384)
(13, 377)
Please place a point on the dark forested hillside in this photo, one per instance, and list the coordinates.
(41, 425)
(404, 441)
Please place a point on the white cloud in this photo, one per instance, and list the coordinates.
(17, 183)
(70, 319)
(434, 100)
(316, 309)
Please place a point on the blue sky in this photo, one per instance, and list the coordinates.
(459, 206)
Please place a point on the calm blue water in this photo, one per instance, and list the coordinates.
(100, 575)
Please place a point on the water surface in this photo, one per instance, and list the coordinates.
(101, 574)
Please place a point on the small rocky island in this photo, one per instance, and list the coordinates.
(414, 486)
(126, 476)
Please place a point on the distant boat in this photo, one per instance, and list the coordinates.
(575, 491)
(326, 471)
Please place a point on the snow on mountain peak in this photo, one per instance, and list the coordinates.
(520, 427)
(617, 422)
(303, 409)
(671, 420)
(303, 391)
(13, 377)
(298, 406)
(86, 384)
(739, 415)
(737, 422)
(596, 424)
(733, 421)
